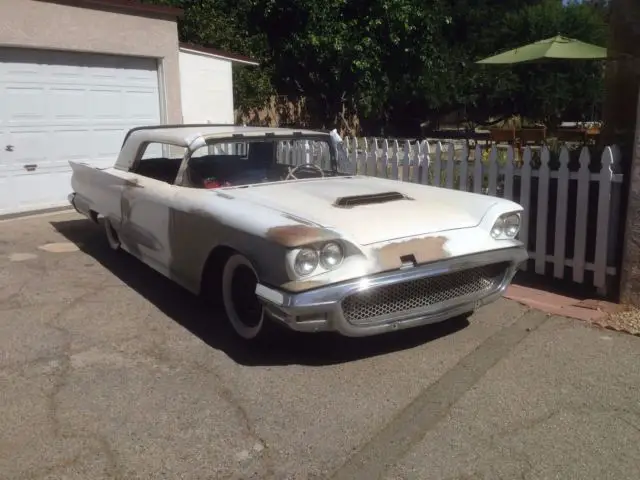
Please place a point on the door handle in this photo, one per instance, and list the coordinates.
(30, 167)
(8, 148)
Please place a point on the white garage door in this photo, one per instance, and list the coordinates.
(61, 106)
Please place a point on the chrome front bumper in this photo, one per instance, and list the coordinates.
(322, 309)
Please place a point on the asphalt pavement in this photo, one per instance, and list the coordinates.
(110, 371)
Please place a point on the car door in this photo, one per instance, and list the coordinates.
(147, 205)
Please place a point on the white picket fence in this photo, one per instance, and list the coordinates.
(497, 171)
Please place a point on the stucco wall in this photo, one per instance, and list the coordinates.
(34, 24)
(207, 88)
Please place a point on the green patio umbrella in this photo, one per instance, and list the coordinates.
(557, 47)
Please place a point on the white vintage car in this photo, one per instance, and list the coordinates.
(271, 222)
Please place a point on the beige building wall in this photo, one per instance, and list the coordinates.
(59, 26)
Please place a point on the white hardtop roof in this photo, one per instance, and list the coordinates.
(185, 135)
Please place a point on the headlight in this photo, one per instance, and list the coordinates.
(498, 228)
(331, 255)
(512, 225)
(507, 226)
(306, 262)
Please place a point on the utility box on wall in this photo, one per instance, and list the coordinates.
(206, 84)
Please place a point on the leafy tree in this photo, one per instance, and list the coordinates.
(222, 24)
(395, 63)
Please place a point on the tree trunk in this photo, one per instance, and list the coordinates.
(622, 127)
(622, 77)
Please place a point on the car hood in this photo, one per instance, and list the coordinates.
(427, 210)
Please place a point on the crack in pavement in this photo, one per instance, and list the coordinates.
(155, 352)
(60, 382)
(395, 439)
(50, 470)
(225, 393)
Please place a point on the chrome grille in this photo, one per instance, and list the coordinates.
(378, 303)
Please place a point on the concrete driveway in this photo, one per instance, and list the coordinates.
(108, 370)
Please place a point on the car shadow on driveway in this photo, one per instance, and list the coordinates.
(193, 314)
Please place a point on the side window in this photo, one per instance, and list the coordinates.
(216, 164)
(160, 161)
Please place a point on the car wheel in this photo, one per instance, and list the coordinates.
(242, 306)
(112, 235)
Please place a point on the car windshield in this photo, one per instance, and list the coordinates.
(263, 160)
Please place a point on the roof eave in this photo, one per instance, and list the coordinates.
(132, 7)
(220, 54)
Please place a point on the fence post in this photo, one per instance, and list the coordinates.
(582, 212)
(464, 165)
(509, 174)
(288, 153)
(394, 160)
(346, 143)
(359, 159)
(425, 162)
(477, 170)
(542, 211)
(451, 159)
(406, 161)
(615, 219)
(562, 202)
(493, 171)
(385, 159)
(296, 153)
(351, 148)
(372, 158)
(418, 162)
(525, 199)
(602, 231)
(437, 167)
(307, 152)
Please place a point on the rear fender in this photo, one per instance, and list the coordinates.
(100, 191)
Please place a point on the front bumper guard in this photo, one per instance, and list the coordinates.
(320, 309)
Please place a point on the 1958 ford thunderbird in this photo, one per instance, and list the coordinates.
(270, 222)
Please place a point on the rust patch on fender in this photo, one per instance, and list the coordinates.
(297, 235)
(423, 249)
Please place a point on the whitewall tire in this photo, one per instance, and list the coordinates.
(242, 306)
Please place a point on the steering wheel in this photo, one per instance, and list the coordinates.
(303, 165)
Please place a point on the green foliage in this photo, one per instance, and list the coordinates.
(223, 24)
(365, 57)
(549, 90)
(543, 91)
(397, 63)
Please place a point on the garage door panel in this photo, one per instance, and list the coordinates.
(27, 192)
(141, 105)
(75, 145)
(106, 104)
(64, 73)
(21, 71)
(61, 106)
(107, 141)
(25, 104)
(25, 147)
(67, 104)
(34, 152)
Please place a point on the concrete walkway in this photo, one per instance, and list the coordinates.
(108, 370)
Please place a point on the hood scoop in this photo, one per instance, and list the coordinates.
(357, 200)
